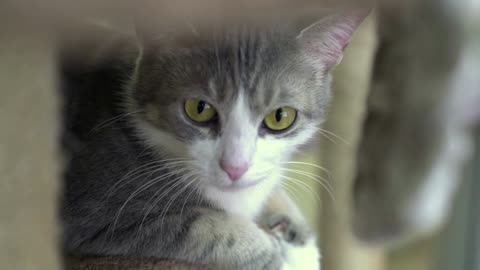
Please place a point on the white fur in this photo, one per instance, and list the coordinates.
(305, 257)
(246, 203)
(238, 141)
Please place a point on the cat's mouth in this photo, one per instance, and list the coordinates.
(240, 185)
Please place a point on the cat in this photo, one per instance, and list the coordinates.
(174, 144)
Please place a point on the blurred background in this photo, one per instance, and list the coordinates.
(452, 241)
(418, 59)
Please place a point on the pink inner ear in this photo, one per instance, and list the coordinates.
(325, 41)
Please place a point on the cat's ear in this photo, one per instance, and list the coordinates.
(323, 42)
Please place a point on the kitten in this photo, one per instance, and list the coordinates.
(175, 149)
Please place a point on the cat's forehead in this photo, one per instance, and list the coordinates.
(263, 65)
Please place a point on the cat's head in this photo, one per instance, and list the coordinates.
(237, 102)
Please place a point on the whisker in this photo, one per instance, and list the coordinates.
(310, 164)
(161, 192)
(290, 190)
(311, 176)
(151, 167)
(155, 162)
(165, 210)
(334, 135)
(135, 193)
(144, 152)
(301, 184)
(315, 177)
(326, 136)
(194, 190)
(111, 121)
(175, 183)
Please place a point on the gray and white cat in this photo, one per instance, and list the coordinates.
(175, 149)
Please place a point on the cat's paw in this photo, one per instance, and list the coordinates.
(296, 233)
(305, 257)
(299, 243)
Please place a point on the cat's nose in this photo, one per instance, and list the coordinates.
(235, 172)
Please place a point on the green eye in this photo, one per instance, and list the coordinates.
(280, 119)
(199, 110)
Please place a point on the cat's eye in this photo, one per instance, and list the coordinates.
(199, 110)
(280, 119)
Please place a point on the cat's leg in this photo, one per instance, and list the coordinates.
(282, 217)
(214, 238)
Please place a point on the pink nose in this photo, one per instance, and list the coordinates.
(235, 172)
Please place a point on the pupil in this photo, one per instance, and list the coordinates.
(279, 115)
(200, 107)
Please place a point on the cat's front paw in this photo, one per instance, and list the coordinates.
(301, 251)
(296, 233)
(305, 257)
